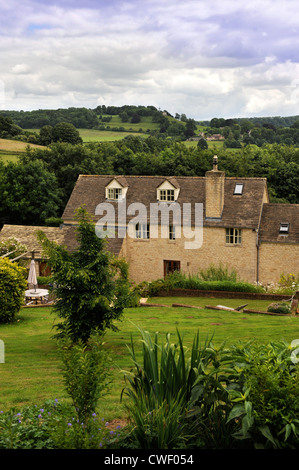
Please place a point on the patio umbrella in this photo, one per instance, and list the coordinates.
(32, 274)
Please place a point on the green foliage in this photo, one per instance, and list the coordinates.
(85, 372)
(282, 307)
(183, 281)
(28, 192)
(44, 280)
(12, 289)
(15, 248)
(92, 286)
(289, 282)
(52, 426)
(242, 397)
(66, 132)
(267, 401)
(53, 222)
(160, 389)
(218, 273)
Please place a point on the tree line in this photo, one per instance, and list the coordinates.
(39, 185)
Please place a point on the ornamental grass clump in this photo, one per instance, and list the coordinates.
(160, 390)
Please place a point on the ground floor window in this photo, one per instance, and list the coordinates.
(170, 266)
(233, 236)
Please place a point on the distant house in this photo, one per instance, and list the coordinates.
(240, 228)
(216, 137)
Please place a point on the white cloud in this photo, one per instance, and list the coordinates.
(203, 59)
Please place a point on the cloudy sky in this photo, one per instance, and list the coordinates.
(220, 58)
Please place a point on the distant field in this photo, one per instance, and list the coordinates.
(16, 145)
(93, 135)
(145, 124)
(11, 149)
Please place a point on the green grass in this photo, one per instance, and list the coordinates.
(93, 135)
(31, 373)
(145, 124)
(8, 157)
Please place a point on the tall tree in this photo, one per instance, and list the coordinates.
(29, 193)
(93, 287)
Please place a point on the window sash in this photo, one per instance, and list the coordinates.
(114, 193)
(233, 236)
(142, 231)
(171, 266)
(166, 194)
(171, 232)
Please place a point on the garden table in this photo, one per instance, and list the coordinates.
(36, 294)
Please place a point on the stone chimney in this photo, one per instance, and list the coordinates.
(214, 191)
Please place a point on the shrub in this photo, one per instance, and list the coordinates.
(44, 280)
(12, 289)
(85, 372)
(53, 425)
(267, 402)
(242, 397)
(279, 308)
(183, 281)
(218, 273)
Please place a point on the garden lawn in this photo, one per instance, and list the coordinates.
(31, 373)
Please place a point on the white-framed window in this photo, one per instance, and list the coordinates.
(171, 232)
(238, 188)
(233, 236)
(284, 228)
(114, 194)
(166, 194)
(142, 231)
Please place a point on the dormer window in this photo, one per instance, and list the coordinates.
(166, 195)
(168, 191)
(114, 193)
(284, 228)
(238, 189)
(116, 190)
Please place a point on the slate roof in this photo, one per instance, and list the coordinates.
(275, 214)
(239, 211)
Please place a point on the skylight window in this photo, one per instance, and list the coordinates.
(238, 188)
(284, 228)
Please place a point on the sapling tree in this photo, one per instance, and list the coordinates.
(92, 285)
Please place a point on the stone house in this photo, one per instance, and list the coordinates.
(160, 224)
(239, 228)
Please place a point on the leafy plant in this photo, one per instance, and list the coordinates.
(85, 372)
(218, 273)
(12, 289)
(92, 287)
(282, 307)
(183, 281)
(53, 426)
(160, 390)
(267, 406)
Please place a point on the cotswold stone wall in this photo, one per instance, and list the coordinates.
(146, 257)
(276, 259)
